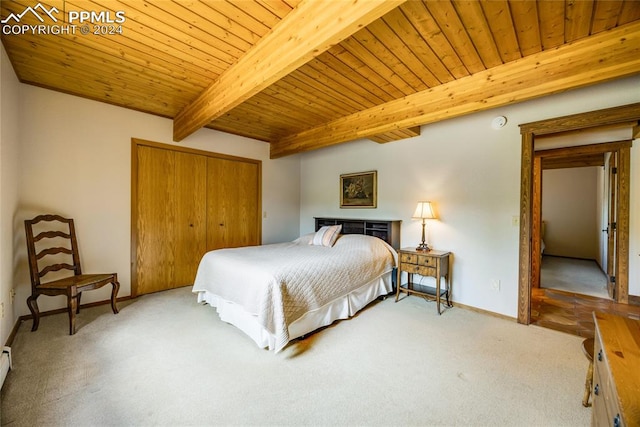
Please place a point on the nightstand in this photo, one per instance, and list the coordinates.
(427, 264)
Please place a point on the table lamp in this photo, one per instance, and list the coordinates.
(424, 211)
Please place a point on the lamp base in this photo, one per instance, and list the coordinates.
(423, 247)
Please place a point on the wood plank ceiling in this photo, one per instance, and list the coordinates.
(264, 69)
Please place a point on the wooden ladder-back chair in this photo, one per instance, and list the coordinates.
(55, 248)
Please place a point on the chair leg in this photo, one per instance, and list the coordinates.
(72, 308)
(32, 303)
(114, 294)
(78, 303)
(588, 386)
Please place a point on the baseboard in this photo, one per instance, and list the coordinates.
(633, 300)
(14, 331)
(569, 257)
(26, 317)
(487, 312)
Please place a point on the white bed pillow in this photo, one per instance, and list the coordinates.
(326, 236)
(305, 239)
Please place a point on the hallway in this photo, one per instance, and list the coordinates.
(572, 313)
(580, 276)
(571, 290)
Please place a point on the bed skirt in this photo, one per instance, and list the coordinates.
(340, 308)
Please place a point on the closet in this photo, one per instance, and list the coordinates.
(185, 202)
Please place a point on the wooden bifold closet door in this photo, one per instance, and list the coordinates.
(231, 215)
(184, 203)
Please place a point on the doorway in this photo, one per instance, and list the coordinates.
(577, 218)
(530, 207)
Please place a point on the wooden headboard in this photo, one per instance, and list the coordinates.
(387, 230)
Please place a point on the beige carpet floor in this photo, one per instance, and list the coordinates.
(165, 360)
(580, 276)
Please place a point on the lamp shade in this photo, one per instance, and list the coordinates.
(424, 210)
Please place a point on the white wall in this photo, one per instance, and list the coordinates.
(9, 134)
(570, 210)
(75, 160)
(472, 173)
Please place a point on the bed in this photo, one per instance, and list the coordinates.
(279, 292)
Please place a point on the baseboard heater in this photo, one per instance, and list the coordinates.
(5, 364)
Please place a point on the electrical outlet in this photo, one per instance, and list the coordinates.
(2, 310)
(495, 284)
(12, 294)
(515, 221)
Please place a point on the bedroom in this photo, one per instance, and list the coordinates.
(406, 170)
(471, 172)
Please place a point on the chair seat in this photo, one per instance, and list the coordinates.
(80, 281)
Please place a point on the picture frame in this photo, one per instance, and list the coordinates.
(359, 190)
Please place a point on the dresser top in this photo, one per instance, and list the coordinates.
(620, 338)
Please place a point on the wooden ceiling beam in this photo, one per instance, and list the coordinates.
(605, 56)
(573, 162)
(604, 147)
(306, 32)
(383, 138)
(579, 156)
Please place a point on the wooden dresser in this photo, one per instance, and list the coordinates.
(616, 371)
(426, 264)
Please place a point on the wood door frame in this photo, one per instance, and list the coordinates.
(135, 143)
(612, 211)
(618, 115)
(578, 156)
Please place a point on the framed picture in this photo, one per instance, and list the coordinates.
(359, 190)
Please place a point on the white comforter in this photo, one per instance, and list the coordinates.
(279, 283)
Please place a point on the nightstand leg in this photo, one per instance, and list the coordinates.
(448, 284)
(438, 278)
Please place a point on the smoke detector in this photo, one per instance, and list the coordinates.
(498, 122)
